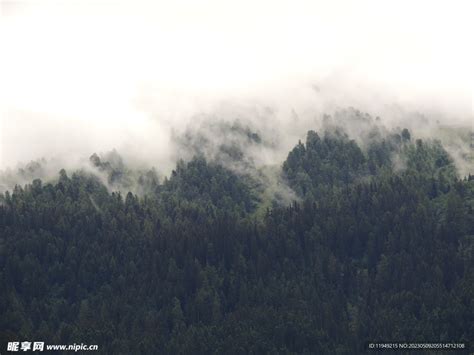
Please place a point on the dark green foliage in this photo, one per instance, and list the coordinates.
(207, 187)
(329, 161)
(370, 253)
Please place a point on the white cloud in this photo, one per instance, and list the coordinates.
(83, 76)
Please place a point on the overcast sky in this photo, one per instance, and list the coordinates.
(84, 75)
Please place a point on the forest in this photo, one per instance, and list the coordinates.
(374, 243)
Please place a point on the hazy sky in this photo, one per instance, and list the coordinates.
(84, 76)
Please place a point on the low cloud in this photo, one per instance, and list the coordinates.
(86, 77)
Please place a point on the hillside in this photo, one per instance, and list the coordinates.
(343, 243)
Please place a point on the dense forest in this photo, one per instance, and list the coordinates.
(377, 244)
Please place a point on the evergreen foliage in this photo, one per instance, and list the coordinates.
(370, 252)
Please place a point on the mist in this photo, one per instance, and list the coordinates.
(83, 77)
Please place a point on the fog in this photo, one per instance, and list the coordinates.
(79, 77)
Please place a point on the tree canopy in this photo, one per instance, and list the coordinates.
(369, 251)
